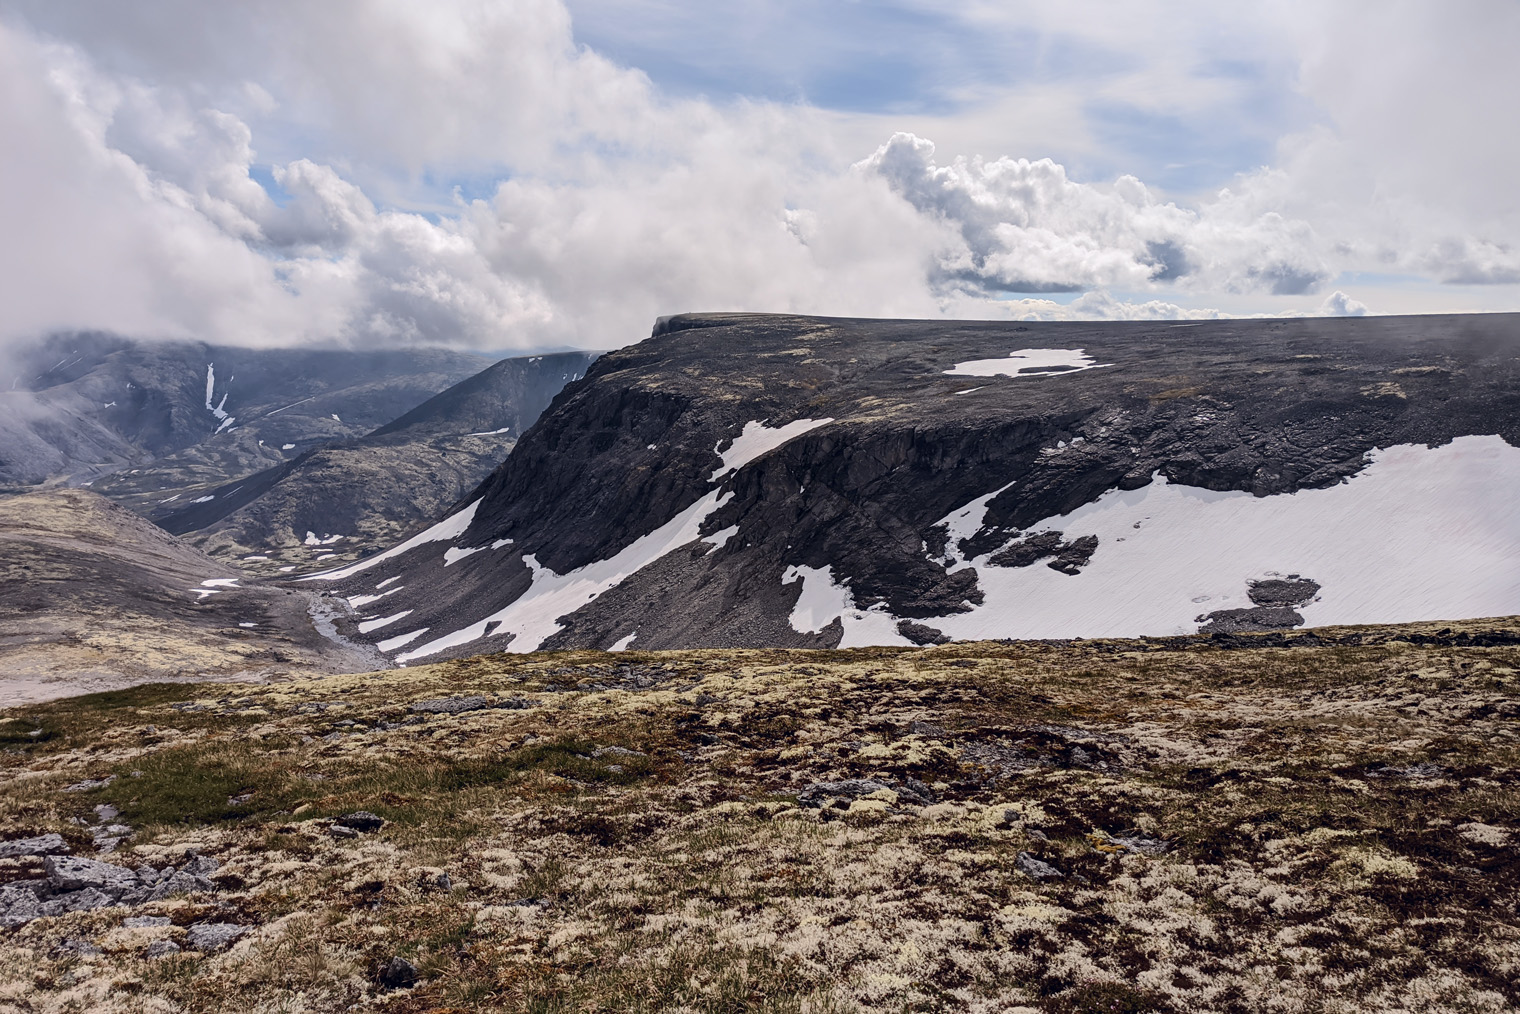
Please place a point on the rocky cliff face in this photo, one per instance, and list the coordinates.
(769, 480)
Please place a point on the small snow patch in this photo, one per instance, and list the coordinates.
(453, 555)
(1028, 363)
(621, 644)
(287, 447)
(720, 539)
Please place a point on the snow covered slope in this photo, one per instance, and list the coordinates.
(789, 481)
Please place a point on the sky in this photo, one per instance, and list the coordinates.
(527, 174)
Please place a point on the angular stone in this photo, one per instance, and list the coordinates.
(161, 949)
(86, 900)
(201, 866)
(179, 883)
(850, 788)
(213, 936)
(1030, 866)
(81, 948)
(71, 873)
(42, 845)
(451, 705)
(18, 907)
(145, 921)
(398, 973)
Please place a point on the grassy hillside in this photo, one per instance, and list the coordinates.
(1324, 822)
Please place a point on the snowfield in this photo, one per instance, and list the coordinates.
(1420, 534)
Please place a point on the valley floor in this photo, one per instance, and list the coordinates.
(1321, 821)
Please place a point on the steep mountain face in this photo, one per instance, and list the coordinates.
(746, 480)
(93, 597)
(144, 420)
(344, 500)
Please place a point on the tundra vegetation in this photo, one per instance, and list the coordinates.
(1316, 821)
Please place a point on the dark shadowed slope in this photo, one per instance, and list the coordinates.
(770, 480)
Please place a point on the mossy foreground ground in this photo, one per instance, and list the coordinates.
(1238, 825)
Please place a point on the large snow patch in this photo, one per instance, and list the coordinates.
(1420, 534)
(1027, 363)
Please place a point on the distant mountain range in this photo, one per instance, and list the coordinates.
(752, 480)
(246, 451)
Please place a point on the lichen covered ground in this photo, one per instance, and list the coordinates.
(1323, 822)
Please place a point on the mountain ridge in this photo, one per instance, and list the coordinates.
(937, 445)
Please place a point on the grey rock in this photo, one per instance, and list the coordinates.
(922, 633)
(42, 845)
(339, 831)
(79, 948)
(398, 973)
(851, 788)
(1143, 846)
(180, 883)
(201, 866)
(90, 783)
(1257, 619)
(213, 936)
(105, 846)
(105, 812)
(617, 751)
(451, 705)
(362, 820)
(121, 829)
(145, 921)
(1030, 866)
(72, 873)
(1290, 591)
(161, 949)
(18, 907)
(86, 900)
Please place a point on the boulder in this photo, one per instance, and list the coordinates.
(213, 936)
(42, 845)
(1032, 867)
(73, 873)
